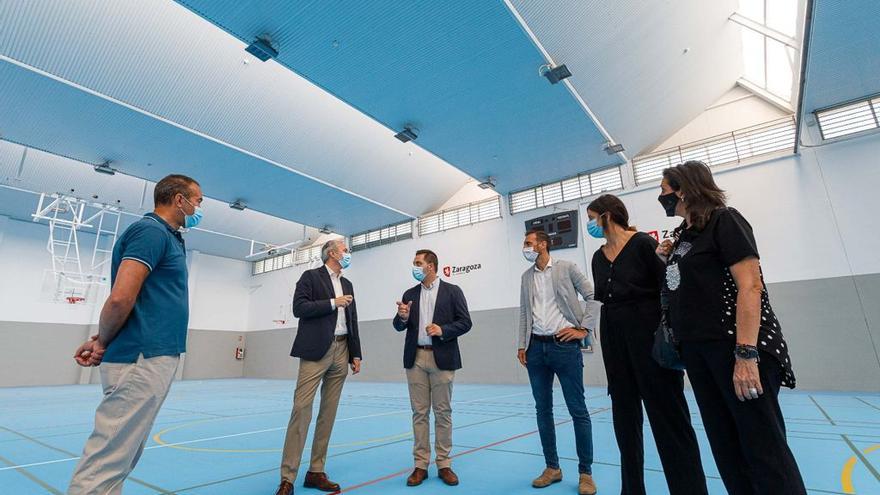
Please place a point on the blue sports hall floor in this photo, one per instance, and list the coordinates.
(225, 436)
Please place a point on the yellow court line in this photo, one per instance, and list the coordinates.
(846, 475)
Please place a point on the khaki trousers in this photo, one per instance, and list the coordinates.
(330, 373)
(133, 394)
(430, 387)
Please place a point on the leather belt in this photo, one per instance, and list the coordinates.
(544, 338)
(425, 347)
(340, 338)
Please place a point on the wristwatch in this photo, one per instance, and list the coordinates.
(744, 351)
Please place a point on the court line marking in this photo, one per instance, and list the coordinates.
(846, 481)
(822, 411)
(67, 452)
(338, 454)
(233, 435)
(49, 488)
(460, 454)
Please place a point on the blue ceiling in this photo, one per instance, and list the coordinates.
(48, 114)
(463, 72)
(844, 53)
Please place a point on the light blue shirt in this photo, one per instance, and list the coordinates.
(427, 301)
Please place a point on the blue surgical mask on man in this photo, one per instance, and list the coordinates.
(594, 229)
(418, 273)
(345, 261)
(530, 254)
(190, 221)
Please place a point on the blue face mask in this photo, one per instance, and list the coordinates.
(345, 261)
(418, 273)
(190, 221)
(595, 229)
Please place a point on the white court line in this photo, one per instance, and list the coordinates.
(199, 440)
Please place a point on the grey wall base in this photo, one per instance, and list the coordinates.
(832, 327)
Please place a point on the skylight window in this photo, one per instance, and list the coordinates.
(771, 50)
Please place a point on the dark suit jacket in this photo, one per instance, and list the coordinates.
(450, 313)
(317, 318)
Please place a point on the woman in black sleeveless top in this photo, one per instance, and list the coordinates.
(627, 274)
(731, 342)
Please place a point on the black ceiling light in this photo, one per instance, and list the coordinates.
(105, 168)
(555, 74)
(408, 134)
(262, 49)
(238, 205)
(613, 148)
(489, 183)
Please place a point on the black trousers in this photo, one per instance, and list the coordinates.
(635, 378)
(747, 438)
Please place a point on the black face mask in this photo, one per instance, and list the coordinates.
(669, 202)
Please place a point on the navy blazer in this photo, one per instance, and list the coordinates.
(450, 313)
(317, 318)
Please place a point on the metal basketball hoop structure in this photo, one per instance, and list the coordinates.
(65, 216)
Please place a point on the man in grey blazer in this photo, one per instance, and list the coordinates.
(552, 325)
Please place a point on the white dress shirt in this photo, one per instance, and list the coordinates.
(336, 280)
(548, 319)
(427, 301)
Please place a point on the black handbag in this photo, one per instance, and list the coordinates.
(665, 349)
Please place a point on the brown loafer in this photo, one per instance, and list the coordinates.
(320, 481)
(285, 488)
(417, 477)
(448, 476)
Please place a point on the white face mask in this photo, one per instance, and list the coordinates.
(530, 254)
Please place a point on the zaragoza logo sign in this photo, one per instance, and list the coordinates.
(452, 271)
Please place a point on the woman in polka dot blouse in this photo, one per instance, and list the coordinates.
(731, 341)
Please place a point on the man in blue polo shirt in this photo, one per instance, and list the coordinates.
(141, 334)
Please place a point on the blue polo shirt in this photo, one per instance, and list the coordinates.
(158, 322)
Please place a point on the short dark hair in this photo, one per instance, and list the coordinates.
(540, 235)
(430, 257)
(170, 186)
(613, 206)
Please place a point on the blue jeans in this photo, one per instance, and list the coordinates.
(563, 359)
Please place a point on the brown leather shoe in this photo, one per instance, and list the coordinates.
(417, 477)
(448, 476)
(320, 481)
(586, 485)
(285, 488)
(547, 478)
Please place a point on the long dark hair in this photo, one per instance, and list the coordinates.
(701, 196)
(614, 207)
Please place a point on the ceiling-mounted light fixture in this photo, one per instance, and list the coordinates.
(326, 230)
(238, 205)
(489, 183)
(105, 168)
(554, 74)
(262, 49)
(613, 148)
(408, 134)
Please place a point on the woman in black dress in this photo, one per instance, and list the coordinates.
(731, 342)
(627, 274)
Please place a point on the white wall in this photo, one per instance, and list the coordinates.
(795, 204)
(219, 287)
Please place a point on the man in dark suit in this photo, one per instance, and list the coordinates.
(327, 343)
(434, 315)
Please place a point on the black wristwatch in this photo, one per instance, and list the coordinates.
(744, 351)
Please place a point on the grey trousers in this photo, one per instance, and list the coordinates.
(133, 394)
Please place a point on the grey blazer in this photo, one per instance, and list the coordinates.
(568, 282)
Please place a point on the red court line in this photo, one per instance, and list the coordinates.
(466, 452)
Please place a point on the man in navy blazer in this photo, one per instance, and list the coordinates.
(327, 343)
(434, 315)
